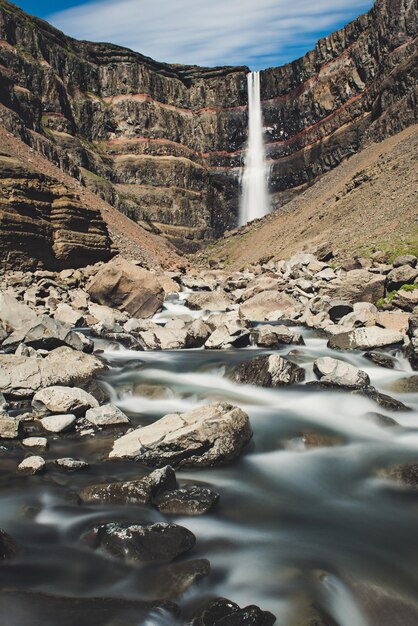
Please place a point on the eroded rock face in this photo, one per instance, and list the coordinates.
(206, 436)
(112, 117)
(43, 224)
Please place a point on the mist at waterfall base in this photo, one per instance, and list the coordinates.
(255, 202)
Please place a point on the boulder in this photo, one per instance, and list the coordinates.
(260, 307)
(217, 300)
(22, 377)
(157, 542)
(365, 338)
(106, 416)
(58, 423)
(406, 300)
(32, 465)
(60, 399)
(127, 287)
(197, 334)
(403, 275)
(340, 373)
(268, 371)
(206, 436)
(175, 579)
(222, 612)
(161, 338)
(46, 333)
(67, 315)
(14, 314)
(394, 320)
(10, 427)
(188, 500)
(408, 384)
(356, 286)
(405, 259)
(231, 334)
(140, 491)
(268, 336)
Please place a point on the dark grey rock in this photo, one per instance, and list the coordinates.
(381, 358)
(222, 612)
(268, 371)
(188, 500)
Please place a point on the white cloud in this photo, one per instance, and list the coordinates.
(209, 32)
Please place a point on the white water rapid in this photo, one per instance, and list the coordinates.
(255, 201)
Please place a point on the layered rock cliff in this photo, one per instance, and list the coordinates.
(165, 144)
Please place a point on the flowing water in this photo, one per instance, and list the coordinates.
(255, 202)
(295, 527)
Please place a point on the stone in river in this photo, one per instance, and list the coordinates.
(206, 436)
(71, 465)
(58, 423)
(381, 358)
(8, 546)
(268, 371)
(133, 491)
(32, 465)
(134, 542)
(106, 416)
(222, 612)
(340, 373)
(10, 427)
(58, 399)
(188, 500)
(365, 338)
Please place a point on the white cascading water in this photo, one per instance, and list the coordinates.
(255, 201)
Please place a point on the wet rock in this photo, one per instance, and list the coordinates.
(340, 373)
(157, 542)
(106, 416)
(206, 436)
(405, 385)
(35, 442)
(58, 423)
(269, 336)
(47, 334)
(8, 546)
(161, 338)
(71, 465)
(188, 500)
(217, 300)
(32, 465)
(3, 403)
(125, 286)
(338, 309)
(58, 399)
(222, 612)
(381, 358)
(140, 491)
(406, 474)
(382, 399)
(405, 274)
(321, 440)
(127, 340)
(268, 371)
(381, 420)
(364, 338)
(406, 300)
(175, 579)
(10, 427)
(21, 377)
(260, 307)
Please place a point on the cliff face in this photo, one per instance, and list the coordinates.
(43, 224)
(165, 143)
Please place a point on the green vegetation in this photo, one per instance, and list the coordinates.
(390, 296)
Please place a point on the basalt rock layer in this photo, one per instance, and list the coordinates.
(165, 144)
(43, 224)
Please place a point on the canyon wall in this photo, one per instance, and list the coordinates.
(165, 143)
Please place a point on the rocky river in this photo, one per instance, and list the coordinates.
(210, 448)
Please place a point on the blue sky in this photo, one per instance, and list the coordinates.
(257, 33)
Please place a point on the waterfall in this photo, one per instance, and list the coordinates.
(255, 200)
